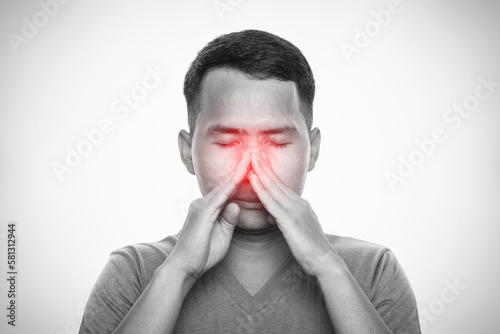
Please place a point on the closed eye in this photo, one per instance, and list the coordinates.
(228, 145)
(277, 145)
(236, 143)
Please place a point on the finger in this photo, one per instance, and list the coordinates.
(264, 166)
(229, 218)
(271, 220)
(220, 194)
(269, 183)
(270, 171)
(268, 201)
(230, 214)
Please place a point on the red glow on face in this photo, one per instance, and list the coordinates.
(238, 140)
(230, 143)
(239, 114)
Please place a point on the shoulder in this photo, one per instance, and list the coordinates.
(356, 249)
(126, 274)
(366, 260)
(147, 250)
(380, 275)
(143, 258)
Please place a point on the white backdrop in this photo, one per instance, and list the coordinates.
(389, 75)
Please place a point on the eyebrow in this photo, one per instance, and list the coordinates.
(219, 129)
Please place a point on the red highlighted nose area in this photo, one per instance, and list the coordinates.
(245, 196)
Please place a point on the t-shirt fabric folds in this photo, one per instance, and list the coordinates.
(289, 302)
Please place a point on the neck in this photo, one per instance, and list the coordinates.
(254, 256)
(257, 241)
(256, 247)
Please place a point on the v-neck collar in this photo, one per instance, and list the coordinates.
(241, 296)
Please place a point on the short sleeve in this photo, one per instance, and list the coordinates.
(114, 293)
(393, 296)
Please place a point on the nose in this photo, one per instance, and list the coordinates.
(253, 144)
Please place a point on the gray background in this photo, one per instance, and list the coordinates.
(441, 221)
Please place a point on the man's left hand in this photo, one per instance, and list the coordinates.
(294, 217)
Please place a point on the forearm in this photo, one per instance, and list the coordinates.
(349, 308)
(157, 308)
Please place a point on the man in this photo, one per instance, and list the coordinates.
(252, 256)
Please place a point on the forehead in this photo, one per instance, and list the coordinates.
(231, 98)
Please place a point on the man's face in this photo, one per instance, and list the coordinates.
(240, 113)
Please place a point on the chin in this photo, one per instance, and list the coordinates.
(253, 220)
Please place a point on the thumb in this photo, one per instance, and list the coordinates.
(230, 215)
(229, 218)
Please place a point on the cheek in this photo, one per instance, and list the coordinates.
(213, 166)
(291, 168)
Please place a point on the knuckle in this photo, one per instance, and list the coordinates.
(225, 197)
(292, 207)
(233, 183)
(197, 205)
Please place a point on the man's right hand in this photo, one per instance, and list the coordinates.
(209, 226)
(203, 242)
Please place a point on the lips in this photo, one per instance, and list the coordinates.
(245, 193)
(248, 205)
(247, 197)
(247, 200)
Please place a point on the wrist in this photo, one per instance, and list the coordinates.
(179, 263)
(330, 266)
(171, 270)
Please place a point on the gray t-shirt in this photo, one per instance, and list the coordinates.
(290, 302)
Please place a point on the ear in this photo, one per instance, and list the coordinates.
(184, 141)
(315, 141)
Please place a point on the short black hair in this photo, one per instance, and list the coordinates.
(258, 54)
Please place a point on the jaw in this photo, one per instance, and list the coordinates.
(253, 220)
